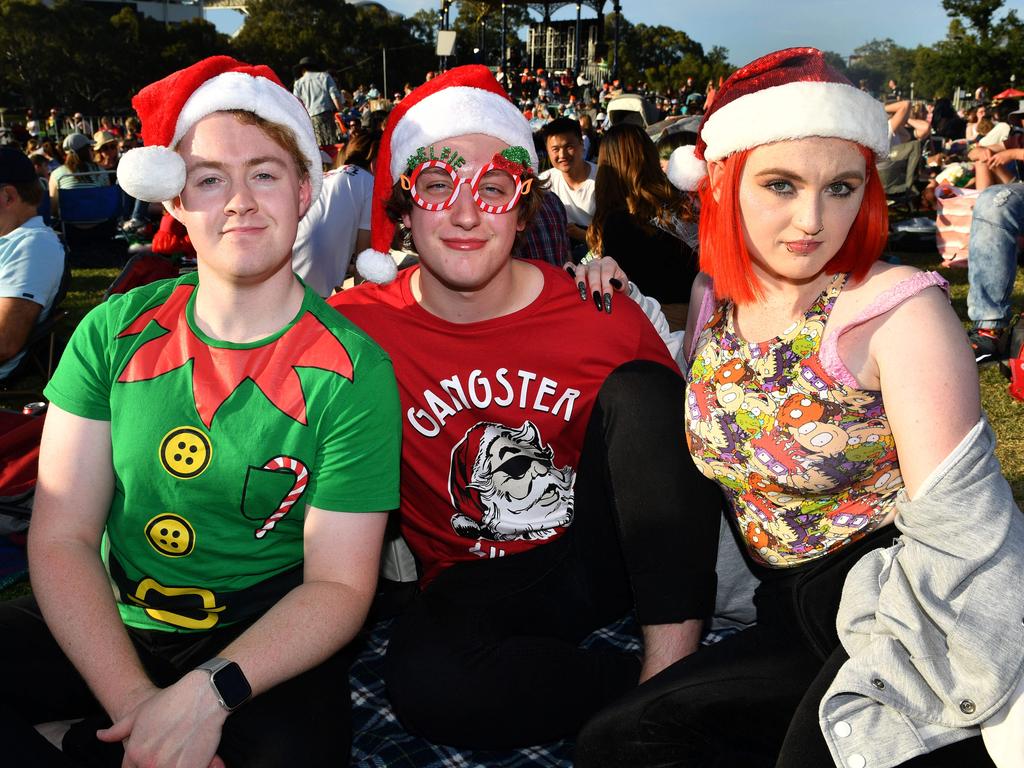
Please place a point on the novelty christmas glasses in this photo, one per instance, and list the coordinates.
(496, 187)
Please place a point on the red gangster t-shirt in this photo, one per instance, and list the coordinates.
(495, 412)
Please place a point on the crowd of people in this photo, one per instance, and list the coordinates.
(763, 427)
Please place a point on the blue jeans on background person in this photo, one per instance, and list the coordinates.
(997, 222)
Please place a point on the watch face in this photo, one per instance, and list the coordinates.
(232, 686)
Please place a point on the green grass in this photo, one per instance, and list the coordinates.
(1005, 413)
(85, 292)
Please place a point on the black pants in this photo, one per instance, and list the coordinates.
(488, 655)
(303, 721)
(733, 703)
(804, 744)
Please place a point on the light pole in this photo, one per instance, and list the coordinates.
(503, 59)
(615, 53)
(576, 44)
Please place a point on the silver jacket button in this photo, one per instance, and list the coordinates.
(967, 707)
(878, 684)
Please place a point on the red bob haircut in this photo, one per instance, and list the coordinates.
(723, 251)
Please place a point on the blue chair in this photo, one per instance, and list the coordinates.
(88, 205)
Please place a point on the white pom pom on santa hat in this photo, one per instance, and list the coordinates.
(170, 107)
(684, 169)
(151, 174)
(376, 266)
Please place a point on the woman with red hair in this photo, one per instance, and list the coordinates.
(835, 400)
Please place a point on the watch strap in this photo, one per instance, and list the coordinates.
(214, 665)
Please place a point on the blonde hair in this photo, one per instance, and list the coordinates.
(281, 135)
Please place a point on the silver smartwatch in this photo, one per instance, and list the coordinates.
(228, 683)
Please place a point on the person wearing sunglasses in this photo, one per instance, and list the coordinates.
(543, 462)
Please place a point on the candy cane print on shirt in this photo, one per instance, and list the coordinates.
(296, 467)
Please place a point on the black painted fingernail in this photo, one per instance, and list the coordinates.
(608, 303)
(583, 290)
(597, 300)
(570, 269)
(615, 283)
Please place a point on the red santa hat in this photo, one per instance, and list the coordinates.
(170, 107)
(462, 100)
(789, 94)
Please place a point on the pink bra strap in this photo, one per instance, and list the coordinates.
(890, 299)
(707, 306)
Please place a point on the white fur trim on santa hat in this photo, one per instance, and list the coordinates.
(457, 111)
(684, 169)
(237, 90)
(376, 266)
(157, 174)
(151, 174)
(796, 110)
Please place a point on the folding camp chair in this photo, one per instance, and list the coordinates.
(899, 174)
(88, 222)
(88, 205)
(19, 435)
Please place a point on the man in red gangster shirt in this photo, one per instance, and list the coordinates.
(546, 486)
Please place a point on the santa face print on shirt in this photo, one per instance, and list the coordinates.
(504, 484)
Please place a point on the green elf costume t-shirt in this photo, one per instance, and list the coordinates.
(218, 448)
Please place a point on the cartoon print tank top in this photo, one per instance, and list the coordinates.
(807, 462)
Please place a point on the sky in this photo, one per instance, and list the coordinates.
(750, 28)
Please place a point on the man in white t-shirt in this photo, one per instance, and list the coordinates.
(336, 226)
(31, 258)
(571, 177)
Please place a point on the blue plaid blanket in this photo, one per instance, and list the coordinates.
(381, 742)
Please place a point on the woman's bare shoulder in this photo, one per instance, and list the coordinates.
(883, 276)
(880, 280)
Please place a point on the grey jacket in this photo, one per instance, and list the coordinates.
(934, 625)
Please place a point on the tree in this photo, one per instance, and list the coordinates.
(661, 46)
(28, 56)
(663, 57)
(280, 32)
(353, 42)
(423, 26)
(407, 56)
(75, 57)
(478, 25)
(979, 13)
(836, 61)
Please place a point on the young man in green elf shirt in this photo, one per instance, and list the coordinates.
(218, 459)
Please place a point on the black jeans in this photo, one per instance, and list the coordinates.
(303, 721)
(752, 699)
(804, 744)
(488, 655)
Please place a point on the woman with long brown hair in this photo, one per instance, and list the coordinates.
(642, 221)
